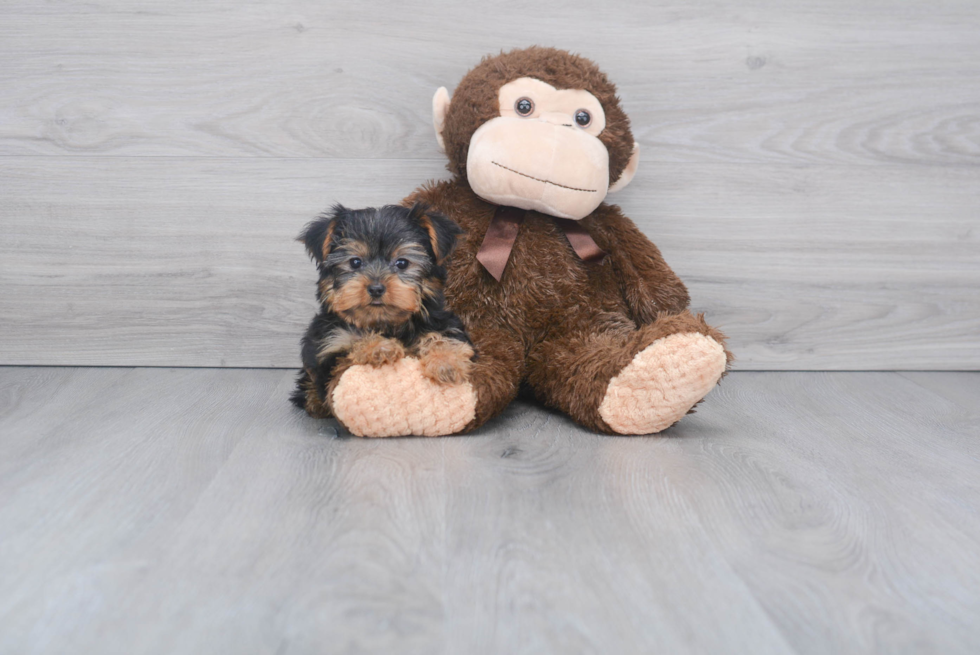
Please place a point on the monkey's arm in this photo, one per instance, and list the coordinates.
(646, 281)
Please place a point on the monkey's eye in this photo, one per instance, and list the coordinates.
(583, 118)
(524, 106)
(355, 262)
(401, 264)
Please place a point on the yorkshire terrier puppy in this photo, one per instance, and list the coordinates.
(380, 293)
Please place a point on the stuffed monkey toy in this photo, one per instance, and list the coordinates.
(559, 292)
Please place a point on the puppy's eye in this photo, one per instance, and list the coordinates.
(583, 118)
(401, 264)
(355, 262)
(524, 106)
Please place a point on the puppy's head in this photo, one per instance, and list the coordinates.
(378, 266)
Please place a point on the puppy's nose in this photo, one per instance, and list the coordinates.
(376, 290)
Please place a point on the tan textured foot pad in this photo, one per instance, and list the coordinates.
(397, 400)
(664, 381)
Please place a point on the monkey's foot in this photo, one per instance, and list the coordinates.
(399, 400)
(663, 382)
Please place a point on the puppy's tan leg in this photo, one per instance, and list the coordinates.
(376, 350)
(446, 361)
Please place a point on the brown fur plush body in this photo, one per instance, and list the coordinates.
(611, 344)
(564, 327)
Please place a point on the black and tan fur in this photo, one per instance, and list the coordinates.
(381, 298)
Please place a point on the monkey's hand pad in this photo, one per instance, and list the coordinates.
(663, 382)
(398, 400)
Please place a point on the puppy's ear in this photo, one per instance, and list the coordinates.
(317, 235)
(442, 231)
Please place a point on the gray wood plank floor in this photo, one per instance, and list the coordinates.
(193, 510)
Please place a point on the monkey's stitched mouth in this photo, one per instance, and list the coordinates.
(538, 179)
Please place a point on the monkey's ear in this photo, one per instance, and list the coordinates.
(317, 235)
(628, 172)
(442, 230)
(440, 106)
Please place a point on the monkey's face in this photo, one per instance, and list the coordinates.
(542, 152)
(537, 128)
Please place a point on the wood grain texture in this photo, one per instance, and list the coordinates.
(809, 170)
(963, 389)
(164, 261)
(766, 81)
(160, 510)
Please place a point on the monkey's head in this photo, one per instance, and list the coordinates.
(538, 129)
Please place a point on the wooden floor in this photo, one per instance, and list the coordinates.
(195, 511)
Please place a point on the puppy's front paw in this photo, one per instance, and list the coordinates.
(376, 351)
(447, 362)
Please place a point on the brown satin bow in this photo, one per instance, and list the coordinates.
(502, 233)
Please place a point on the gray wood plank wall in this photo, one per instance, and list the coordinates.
(812, 170)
